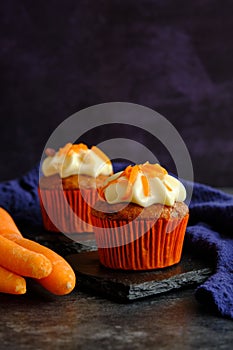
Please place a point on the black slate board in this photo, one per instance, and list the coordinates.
(126, 286)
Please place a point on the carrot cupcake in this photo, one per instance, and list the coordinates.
(68, 187)
(141, 220)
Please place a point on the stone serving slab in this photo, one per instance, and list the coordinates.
(126, 286)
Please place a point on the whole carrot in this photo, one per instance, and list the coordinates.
(62, 279)
(7, 224)
(23, 261)
(11, 283)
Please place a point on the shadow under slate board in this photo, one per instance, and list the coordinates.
(127, 286)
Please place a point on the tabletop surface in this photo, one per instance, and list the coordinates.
(83, 320)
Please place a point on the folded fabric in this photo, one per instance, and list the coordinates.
(217, 292)
(209, 233)
(20, 198)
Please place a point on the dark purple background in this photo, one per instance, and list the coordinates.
(176, 57)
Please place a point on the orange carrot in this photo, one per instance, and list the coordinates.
(23, 261)
(131, 173)
(11, 283)
(7, 224)
(145, 185)
(78, 147)
(62, 279)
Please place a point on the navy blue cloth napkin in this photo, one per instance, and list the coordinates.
(209, 233)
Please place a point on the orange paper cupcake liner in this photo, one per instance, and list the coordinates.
(66, 210)
(141, 244)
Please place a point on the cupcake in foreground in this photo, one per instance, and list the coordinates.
(68, 187)
(141, 220)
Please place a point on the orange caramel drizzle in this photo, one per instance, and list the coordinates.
(131, 173)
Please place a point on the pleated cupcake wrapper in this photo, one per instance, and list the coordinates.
(66, 210)
(148, 245)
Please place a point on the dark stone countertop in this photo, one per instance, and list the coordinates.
(84, 320)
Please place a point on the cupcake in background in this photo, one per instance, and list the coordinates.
(68, 186)
(141, 220)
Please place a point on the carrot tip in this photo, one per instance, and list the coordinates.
(68, 285)
(19, 289)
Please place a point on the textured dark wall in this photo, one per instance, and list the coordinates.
(57, 57)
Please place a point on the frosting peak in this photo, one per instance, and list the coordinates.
(143, 184)
(75, 160)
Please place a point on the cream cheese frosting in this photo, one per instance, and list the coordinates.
(144, 184)
(77, 159)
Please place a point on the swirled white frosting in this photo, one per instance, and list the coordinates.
(76, 160)
(160, 188)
